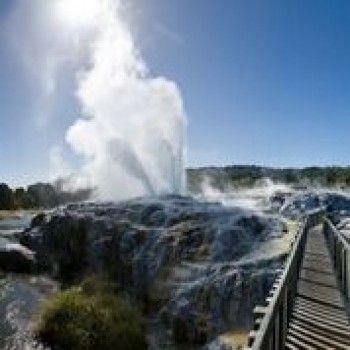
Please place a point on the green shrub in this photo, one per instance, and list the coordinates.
(76, 319)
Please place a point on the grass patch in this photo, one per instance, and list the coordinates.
(17, 214)
(90, 317)
(237, 338)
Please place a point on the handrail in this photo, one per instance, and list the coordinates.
(337, 233)
(272, 321)
(340, 250)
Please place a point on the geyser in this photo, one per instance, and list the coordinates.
(132, 131)
(130, 134)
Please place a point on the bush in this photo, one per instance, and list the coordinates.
(92, 319)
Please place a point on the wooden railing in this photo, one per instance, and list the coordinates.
(340, 250)
(271, 321)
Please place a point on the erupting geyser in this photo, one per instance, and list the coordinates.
(132, 132)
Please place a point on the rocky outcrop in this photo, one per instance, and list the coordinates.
(303, 202)
(191, 264)
(224, 295)
(38, 220)
(16, 258)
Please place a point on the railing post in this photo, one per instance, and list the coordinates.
(342, 270)
(340, 252)
(347, 269)
(345, 277)
(284, 318)
(334, 255)
(339, 259)
(277, 332)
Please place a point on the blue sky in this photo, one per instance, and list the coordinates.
(262, 81)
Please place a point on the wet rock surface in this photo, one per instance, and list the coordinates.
(195, 266)
(15, 257)
(301, 203)
(20, 293)
(20, 299)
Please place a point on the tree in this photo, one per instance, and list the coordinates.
(6, 197)
(44, 195)
(22, 199)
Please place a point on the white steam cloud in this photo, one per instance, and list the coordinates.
(131, 132)
(256, 198)
(136, 128)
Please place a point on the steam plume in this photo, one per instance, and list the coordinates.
(130, 134)
(133, 124)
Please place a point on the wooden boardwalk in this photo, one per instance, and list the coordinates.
(319, 319)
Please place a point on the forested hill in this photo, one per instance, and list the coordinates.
(39, 195)
(247, 175)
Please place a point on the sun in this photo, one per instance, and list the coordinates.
(78, 13)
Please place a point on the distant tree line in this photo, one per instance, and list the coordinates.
(39, 195)
(248, 175)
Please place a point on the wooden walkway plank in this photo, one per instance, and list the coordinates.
(319, 319)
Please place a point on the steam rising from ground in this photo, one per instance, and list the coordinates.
(131, 133)
(256, 198)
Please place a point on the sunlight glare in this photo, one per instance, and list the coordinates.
(78, 13)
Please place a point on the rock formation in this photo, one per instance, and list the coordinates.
(193, 265)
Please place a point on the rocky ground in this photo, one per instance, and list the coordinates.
(197, 268)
